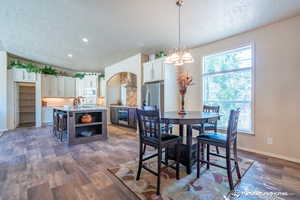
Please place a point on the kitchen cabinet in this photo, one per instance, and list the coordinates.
(148, 72)
(124, 116)
(60, 86)
(153, 70)
(69, 87)
(114, 115)
(87, 88)
(21, 75)
(47, 115)
(102, 87)
(132, 117)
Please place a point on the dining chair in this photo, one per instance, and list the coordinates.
(150, 134)
(165, 127)
(225, 141)
(209, 126)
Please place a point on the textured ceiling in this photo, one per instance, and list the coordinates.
(49, 30)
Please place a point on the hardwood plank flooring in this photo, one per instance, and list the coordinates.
(34, 165)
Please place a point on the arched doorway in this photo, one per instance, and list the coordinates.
(122, 89)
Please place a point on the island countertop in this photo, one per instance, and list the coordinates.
(84, 108)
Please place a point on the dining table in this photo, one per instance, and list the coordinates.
(188, 150)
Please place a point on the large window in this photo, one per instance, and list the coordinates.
(227, 82)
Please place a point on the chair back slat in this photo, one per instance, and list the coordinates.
(214, 109)
(232, 129)
(149, 123)
(150, 108)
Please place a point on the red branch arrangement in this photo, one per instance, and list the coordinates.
(184, 81)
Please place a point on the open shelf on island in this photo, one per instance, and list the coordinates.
(88, 124)
(96, 117)
(88, 131)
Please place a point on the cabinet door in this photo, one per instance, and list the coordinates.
(69, 84)
(45, 86)
(157, 70)
(18, 75)
(114, 115)
(132, 117)
(79, 87)
(148, 72)
(102, 87)
(60, 86)
(53, 86)
(29, 77)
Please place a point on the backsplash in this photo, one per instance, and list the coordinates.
(131, 98)
(57, 101)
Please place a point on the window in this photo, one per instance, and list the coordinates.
(227, 82)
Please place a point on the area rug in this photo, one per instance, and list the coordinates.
(212, 184)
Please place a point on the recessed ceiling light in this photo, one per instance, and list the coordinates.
(70, 55)
(85, 40)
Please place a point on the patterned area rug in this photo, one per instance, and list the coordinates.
(212, 184)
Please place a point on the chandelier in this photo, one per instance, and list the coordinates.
(179, 55)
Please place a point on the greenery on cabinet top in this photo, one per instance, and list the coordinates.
(46, 69)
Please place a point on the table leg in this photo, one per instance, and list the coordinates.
(189, 133)
(181, 131)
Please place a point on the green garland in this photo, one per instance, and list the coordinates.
(30, 67)
(48, 70)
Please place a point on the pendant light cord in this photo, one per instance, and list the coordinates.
(179, 26)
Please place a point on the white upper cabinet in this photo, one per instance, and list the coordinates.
(153, 70)
(60, 86)
(21, 75)
(148, 72)
(69, 87)
(102, 87)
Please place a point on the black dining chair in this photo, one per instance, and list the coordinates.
(165, 127)
(225, 141)
(209, 126)
(150, 134)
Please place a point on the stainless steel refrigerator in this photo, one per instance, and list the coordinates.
(153, 95)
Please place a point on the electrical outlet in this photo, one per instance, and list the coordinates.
(269, 140)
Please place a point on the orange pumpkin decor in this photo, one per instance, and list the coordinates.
(86, 119)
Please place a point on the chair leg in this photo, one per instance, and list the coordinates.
(177, 159)
(144, 149)
(166, 157)
(228, 165)
(140, 162)
(198, 159)
(158, 170)
(207, 155)
(236, 161)
(217, 149)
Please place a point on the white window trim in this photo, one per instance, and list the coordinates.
(253, 86)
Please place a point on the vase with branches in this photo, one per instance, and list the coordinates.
(184, 80)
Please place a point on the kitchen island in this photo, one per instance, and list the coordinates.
(83, 123)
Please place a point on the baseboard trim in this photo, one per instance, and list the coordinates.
(296, 160)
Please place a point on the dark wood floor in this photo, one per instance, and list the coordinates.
(33, 165)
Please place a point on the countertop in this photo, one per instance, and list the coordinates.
(80, 108)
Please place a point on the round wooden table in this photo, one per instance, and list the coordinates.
(188, 155)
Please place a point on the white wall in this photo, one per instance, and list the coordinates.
(3, 91)
(132, 64)
(277, 86)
